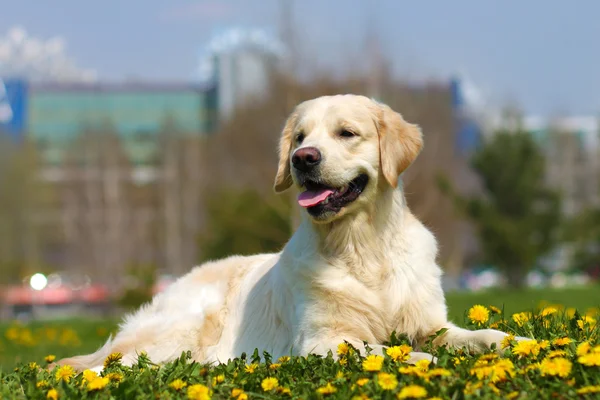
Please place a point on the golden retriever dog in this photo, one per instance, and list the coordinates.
(359, 267)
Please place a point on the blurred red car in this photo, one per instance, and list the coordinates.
(64, 292)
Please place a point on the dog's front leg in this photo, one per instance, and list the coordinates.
(324, 345)
(478, 341)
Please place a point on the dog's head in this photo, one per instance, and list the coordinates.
(341, 150)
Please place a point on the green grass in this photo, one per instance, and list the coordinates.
(515, 301)
(520, 375)
(21, 343)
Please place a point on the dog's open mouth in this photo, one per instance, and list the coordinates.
(319, 197)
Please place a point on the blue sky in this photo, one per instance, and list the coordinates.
(542, 54)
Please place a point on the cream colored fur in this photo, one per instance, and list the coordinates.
(354, 276)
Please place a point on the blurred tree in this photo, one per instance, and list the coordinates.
(96, 206)
(24, 200)
(246, 224)
(180, 194)
(583, 233)
(139, 282)
(518, 217)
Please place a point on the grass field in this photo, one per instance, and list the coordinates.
(523, 372)
(523, 300)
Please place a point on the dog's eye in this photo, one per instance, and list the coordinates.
(346, 133)
(300, 137)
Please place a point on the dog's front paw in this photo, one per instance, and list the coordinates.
(416, 356)
(522, 338)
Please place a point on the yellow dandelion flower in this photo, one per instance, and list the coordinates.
(274, 366)
(387, 381)
(340, 375)
(438, 372)
(547, 323)
(422, 365)
(570, 312)
(362, 381)
(52, 394)
(495, 310)
(89, 375)
(495, 371)
(494, 388)
(506, 342)
(199, 392)
(49, 358)
(471, 387)
(557, 366)
(343, 349)
(236, 392)
(526, 348)
(562, 341)
(412, 392)
(530, 367)
(115, 377)
(242, 396)
(590, 359)
(218, 379)
(327, 389)
(521, 318)
(251, 368)
(589, 389)
(399, 353)
(41, 384)
(65, 373)
(593, 312)
(283, 390)
(557, 353)
(583, 348)
(98, 383)
(458, 360)
(548, 311)
(479, 314)
(113, 359)
(269, 384)
(544, 344)
(361, 396)
(586, 321)
(177, 384)
(488, 357)
(343, 361)
(283, 359)
(373, 363)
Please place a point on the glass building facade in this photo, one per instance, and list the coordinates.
(57, 114)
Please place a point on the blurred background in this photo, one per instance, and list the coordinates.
(138, 138)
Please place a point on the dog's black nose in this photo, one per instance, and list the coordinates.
(306, 158)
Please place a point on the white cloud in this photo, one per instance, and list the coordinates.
(39, 59)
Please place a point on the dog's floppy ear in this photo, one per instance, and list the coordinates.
(399, 144)
(283, 179)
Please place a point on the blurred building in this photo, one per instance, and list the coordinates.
(53, 115)
(572, 148)
(571, 145)
(242, 63)
(13, 107)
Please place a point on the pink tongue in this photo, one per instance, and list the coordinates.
(312, 198)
